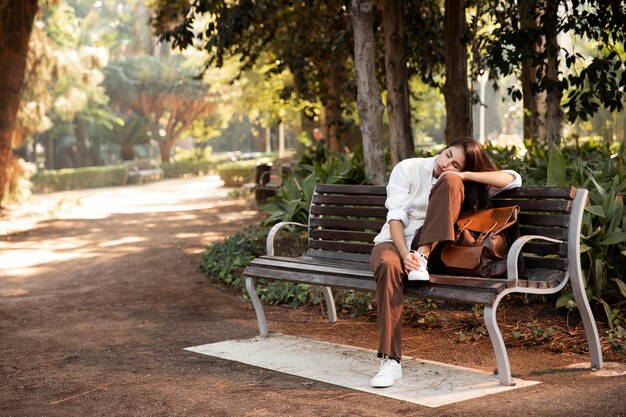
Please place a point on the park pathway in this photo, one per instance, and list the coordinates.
(100, 292)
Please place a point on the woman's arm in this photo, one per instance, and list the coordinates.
(496, 179)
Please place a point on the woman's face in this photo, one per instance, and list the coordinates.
(451, 159)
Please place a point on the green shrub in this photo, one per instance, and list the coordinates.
(188, 167)
(235, 174)
(78, 178)
(294, 198)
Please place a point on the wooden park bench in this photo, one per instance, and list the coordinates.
(344, 219)
(142, 168)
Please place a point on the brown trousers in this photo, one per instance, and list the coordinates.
(444, 206)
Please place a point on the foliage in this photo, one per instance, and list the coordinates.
(595, 62)
(128, 131)
(185, 168)
(77, 178)
(235, 174)
(108, 176)
(315, 46)
(161, 91)
(225, 261)
(294, 197)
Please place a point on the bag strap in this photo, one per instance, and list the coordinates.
(484, 235)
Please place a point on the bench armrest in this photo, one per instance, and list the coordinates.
(511, 259)
(269, 243)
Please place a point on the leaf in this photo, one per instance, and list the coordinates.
(600, 189)
(308, 187)
(621, 285)
(556, 167)
(608, 311)
(596, 210)
(614, 238)
(565, 300)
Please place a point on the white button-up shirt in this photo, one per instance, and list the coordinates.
(408, 191)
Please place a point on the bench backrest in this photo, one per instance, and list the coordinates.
(344, 219)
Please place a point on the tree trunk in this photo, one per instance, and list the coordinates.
(83, 156)
(128, 152)
(48, 143)
(456, 90)
(529, 21)
(16, 24)
(332, 108)
(554, 113)
(398, 109)
(166, 149)
(368, 94)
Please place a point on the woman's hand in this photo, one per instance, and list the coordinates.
(460, 174)
(411, 261)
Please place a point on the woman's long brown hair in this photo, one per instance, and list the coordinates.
(476, 160)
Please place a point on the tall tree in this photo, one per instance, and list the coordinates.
(396, 73)
(368, 94)
(554, 94)
(159, 91)
(16, 24)
(526, 39)
(456, 89)
(312, 39)
(529, 25)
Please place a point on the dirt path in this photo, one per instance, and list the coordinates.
(98, 302)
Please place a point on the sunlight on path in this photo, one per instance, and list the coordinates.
(22, 257)
(168, 195)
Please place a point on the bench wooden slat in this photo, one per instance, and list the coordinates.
(342, 235)
(351, 189)
(553, 232)
(352, 200)
(470, 282)
(542, 278)
(346, 223)
(349, 211)
(546, 249)
(457, 294)
(341, 246)
(308, 264)
(560, 220)
(312, 278)
(545, 263)
(536, 205)
(335, 256)
(539, 192)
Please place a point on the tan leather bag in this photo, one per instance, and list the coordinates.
(482, 243)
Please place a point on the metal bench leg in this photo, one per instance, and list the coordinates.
(258, 307)
(591, 331)
(504, 369)
(330, 305)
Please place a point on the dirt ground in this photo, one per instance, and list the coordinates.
(100, 291)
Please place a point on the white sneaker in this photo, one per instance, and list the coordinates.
(420, 274)
(390, 372)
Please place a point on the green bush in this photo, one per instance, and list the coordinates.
(236, 174)
(77, 178)
(188, 167)
(294, 198)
